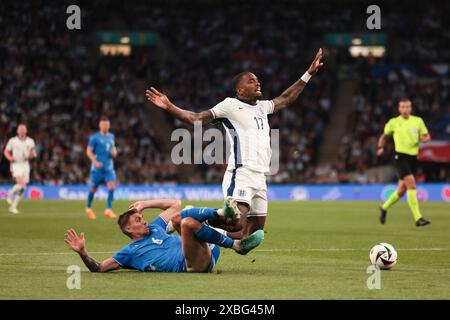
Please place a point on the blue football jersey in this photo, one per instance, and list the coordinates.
(102, 146)
(158, 251)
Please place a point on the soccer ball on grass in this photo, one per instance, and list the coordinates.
(383, 255)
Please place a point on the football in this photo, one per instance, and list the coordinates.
(383, 255)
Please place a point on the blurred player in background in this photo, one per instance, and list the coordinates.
(101, 150)
(18, 151)
(407, 131)
(245, 120)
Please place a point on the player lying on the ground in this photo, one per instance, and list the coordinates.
(153, 249)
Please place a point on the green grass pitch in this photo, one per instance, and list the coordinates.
(312, 250)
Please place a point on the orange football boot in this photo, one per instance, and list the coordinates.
(110, 214)
(90, 213)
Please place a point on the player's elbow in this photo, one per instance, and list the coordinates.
(193, 118)
(100, 269)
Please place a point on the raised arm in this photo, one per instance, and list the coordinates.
(78, 244)
(170, 207)
(292, 93)
(161, 101)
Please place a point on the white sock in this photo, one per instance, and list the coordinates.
(15, 189)
(236, 245)
(16, 200)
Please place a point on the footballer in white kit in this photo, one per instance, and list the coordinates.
(247, 127)
(245, 120)
(18, 151)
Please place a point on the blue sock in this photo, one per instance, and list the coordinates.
(199, 214)
(89, 199)
(210, 235)
(110, 199)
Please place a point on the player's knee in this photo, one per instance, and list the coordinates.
(411, 185)
(190, 224)
(111, 186)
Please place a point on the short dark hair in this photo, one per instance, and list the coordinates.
(237, 78)
(104, 118)
(124, 219)
(404, 100)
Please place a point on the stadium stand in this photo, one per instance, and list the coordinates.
(60, 90)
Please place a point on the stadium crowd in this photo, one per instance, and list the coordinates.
(60, 89)
(57, 83)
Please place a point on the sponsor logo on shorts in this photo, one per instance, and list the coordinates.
(241, 193)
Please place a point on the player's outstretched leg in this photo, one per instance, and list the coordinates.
(89, 212)
(15, 195)
(12, 192)
(15, 202)
(414, 206)
(229, 211)
(205, 233)
(393, 199)
(109, 213)
(249, 243)
(413, 202)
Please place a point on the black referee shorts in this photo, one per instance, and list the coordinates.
(405, 164)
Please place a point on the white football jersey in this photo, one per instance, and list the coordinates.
(248, 130)
(20, 149)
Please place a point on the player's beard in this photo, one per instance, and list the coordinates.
(259, 96)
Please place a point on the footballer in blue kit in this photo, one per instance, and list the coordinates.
(155, 249)
(101, 150)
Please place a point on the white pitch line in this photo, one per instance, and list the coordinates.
(353, 249)
(258, 250)
(49, 253)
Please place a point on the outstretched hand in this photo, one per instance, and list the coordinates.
(75, 242)
(316, 64)
(157, 98)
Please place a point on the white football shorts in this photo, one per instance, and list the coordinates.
(21, 170)
(248, 186)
